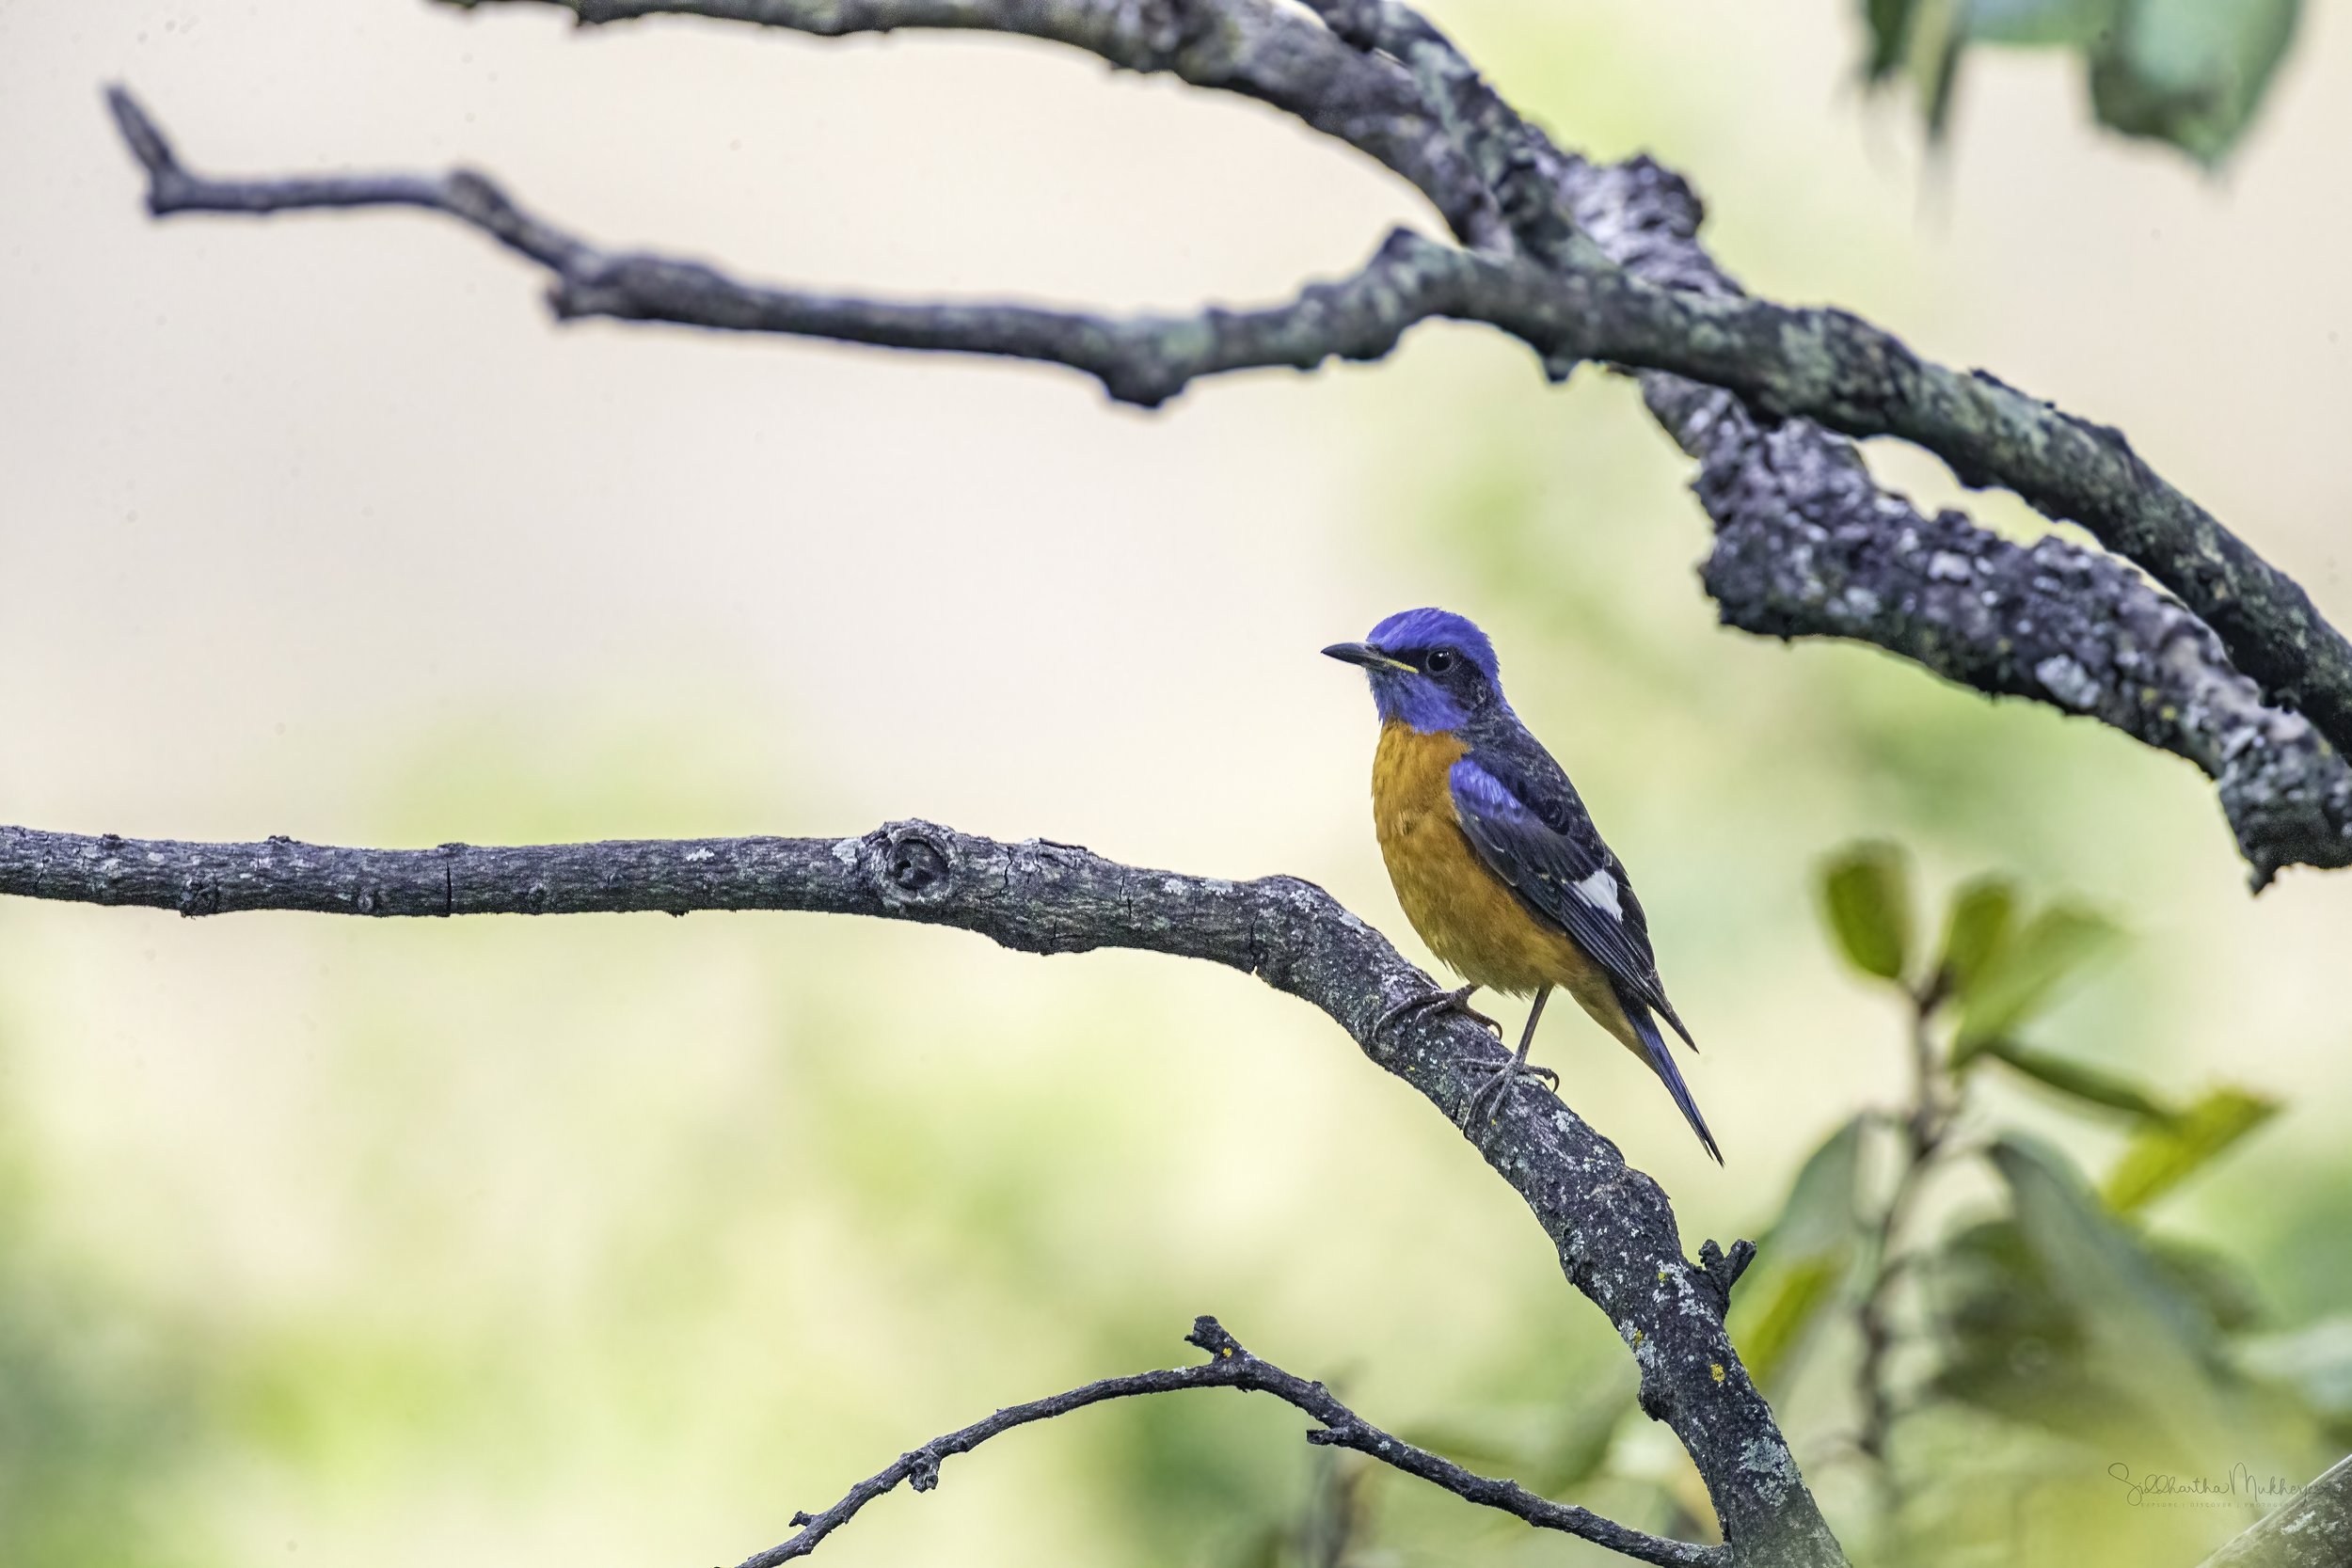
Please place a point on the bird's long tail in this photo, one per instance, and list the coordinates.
(1662, 1063)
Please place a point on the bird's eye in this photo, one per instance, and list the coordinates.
(1440, 660)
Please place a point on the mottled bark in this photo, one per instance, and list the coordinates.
(1612, 1226)
(2311, 1529)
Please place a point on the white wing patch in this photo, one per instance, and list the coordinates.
(1599, 889)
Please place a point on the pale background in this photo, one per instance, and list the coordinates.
(613, 1240)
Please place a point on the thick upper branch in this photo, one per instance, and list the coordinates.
(1612, 1226)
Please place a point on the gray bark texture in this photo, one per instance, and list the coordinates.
(2311, 1529)
(2226, 662)
(1612, 1226)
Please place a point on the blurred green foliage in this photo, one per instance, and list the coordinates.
(2187, 72)
(2039, 1310)
(96, 1406)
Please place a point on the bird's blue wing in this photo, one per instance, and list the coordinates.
(1556, 863)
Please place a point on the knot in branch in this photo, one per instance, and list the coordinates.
(922, 1469)
(1722, 1270)
(200, 895)
(1340, 1435)
(1169, 27)
(1211, 1336)
(912, 865)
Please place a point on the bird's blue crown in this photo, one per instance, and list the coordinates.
(1409, 630)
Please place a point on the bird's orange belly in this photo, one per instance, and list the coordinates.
(1469, 918)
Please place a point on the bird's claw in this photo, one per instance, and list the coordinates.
(1455, 1001)
(1494, 1095)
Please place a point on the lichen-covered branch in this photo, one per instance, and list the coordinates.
(1611, 1225)
(1806, 545)
(1230, 1365)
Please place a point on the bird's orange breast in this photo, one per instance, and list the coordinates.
(1470, 917)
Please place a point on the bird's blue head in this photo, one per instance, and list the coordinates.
(1430, 668)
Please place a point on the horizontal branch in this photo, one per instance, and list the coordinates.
(1611, 1225)
(2046, 623)
(1230, 1365)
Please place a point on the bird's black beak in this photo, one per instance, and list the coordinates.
(1364, 654)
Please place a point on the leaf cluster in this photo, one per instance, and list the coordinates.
(2190, 73)
(2053, 1309)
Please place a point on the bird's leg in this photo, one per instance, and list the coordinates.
(1455, 1001)
(1495, 1093)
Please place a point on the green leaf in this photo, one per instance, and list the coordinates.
(1890, 37)
(2025, 974)
(2218, 1283)
(2191, 73)
(2092, 1085)
(2010, 1345)
(1800, 1262)
(1936, 70)
(2159, 1157)
(1865, 897)
(2040, 23)
(1976, 930)
(2142, 1336)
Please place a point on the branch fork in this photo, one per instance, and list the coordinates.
(1231, 1365)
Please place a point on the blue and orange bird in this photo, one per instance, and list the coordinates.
(1494, 857)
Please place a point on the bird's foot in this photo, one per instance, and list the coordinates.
(1455, 1001)
(1493, 1097)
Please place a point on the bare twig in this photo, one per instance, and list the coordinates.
(1230, 1365)
(1611, 1225)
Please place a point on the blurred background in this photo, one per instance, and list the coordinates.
(614, 1241)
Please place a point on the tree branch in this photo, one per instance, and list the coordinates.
(1807, 544)
(2065, 467)
(2311, 1529)
(1230, 1365)
(2069, 468)
(1611, 1225)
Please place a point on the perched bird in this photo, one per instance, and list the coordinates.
(1494, 857)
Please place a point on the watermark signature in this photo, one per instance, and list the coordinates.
(2239, 1486)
